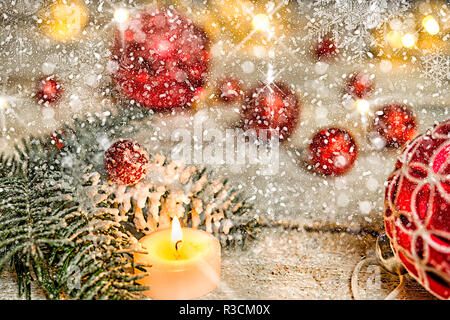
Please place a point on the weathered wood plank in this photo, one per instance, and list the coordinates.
(292, 264)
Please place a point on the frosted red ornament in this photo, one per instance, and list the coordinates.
(126, 162)
(396, 123)
(360, 85)
(48, 90)
(332, 151)
(229, 90)
(160, 58)
(326, 49)
(417, 209)
(271, 107)
(56, 140)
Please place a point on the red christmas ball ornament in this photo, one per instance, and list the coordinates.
(126, 162)
(56, 140)
(417, 209)
(360, 85)
(326, 49)
(271, 107)
(48, 90)
(229, 90)
(159, 59)
(332, 151)
(395, 123)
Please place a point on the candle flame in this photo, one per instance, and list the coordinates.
(177, 234)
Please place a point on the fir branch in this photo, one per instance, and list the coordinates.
(84, 138)
(75, 253)
(31, 211)
(98, 263)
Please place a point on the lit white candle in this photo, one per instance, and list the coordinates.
(184, 263)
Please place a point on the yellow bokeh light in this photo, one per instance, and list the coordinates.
(430, 25)
(261, 22)
(121, 15)
(3, 103)
(362, 106)
(409, 40)
(64, 20)
(394, 38)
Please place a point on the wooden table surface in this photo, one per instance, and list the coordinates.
(292, 264)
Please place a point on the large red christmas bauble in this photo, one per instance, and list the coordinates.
(360, 85)
(395, 123)
(126, 162)
(160, 58)
(417, 209)
(271, 107)
(48, 90)
(332, 151)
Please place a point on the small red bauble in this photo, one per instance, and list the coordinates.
(360, 85)
(126, 162)
(326, 49)
(55, 138)
(160, 59)
(229, 90)
(417, 209)
(332, 151)
(271, 107)
(395, 123)
(48, 90)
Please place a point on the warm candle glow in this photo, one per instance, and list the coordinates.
(185, 271)
(409, 40)
(177, 234)
(430, 25)
(261, 22)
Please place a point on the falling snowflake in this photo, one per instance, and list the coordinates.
(7, 112)
(351, 22)
(436, 68)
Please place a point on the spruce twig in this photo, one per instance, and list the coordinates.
(32, 211)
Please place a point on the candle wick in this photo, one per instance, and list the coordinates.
(176, 244)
